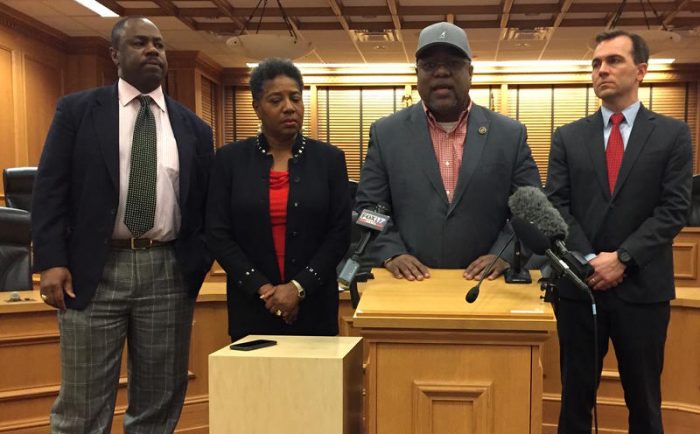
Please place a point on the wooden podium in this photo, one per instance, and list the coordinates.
(302, 385)
(438, 365)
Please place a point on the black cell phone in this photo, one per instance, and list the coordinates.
(253, 345)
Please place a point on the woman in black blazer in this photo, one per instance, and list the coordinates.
(278, 216)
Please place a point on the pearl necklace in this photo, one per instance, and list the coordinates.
(299, 152)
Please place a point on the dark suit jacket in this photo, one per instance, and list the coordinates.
(239, 234)
(645, 212)
(76, 194)
(401, 169)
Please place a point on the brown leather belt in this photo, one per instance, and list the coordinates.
(138, 243)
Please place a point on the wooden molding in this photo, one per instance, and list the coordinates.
(197, 60)
(89, 45)
(476, 400)
(45, 338)
(32, 28)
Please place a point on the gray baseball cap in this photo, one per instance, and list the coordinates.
(443, 33)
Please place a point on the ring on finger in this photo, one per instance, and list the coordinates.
(44, 297)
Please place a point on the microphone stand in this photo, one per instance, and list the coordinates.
(517, 274)
(562, 267)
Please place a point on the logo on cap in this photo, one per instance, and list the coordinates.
(443, 35)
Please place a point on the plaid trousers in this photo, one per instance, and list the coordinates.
(141, 299)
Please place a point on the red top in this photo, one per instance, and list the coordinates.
(279, 191)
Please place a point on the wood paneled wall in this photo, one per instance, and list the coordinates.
(32, 68)
(37, 66)
(195, 81)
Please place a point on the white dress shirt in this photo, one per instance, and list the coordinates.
(167, 218)
(626, 125)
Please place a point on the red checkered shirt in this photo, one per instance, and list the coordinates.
(449, 148)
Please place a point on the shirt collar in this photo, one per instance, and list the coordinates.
(630, 113)
(127, 93)
(433, 121)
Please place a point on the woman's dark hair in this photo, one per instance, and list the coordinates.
(269, 69)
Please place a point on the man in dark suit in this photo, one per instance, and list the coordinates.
(446, 166)
(119, 239)
(621, 178)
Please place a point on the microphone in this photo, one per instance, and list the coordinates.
(474, 292)
(540, 226)
(372, 222)
(531, 205)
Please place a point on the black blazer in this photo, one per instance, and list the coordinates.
(239, 233)
(647, 209)
(76, 194)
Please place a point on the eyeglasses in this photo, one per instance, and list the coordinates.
(451, 64)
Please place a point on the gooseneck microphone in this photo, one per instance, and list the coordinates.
(474, 292)
(372, 221)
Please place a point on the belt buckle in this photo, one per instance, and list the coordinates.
(137, 246)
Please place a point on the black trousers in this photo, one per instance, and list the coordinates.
(638, 334)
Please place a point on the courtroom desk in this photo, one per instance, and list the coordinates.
(437, 364)
(680, 381)
(686, 261)
(31, 373)
(30, 366)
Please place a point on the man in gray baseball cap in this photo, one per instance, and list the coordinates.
(447, 167)
(446, 34)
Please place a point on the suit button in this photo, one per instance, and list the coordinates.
(295, 233)
(293, 260)
(296, 204)
(113, 211)
(297, 179)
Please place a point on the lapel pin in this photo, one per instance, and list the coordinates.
(483, 130)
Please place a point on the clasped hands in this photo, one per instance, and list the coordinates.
(410, 268)
(609, 271)
(281, 300)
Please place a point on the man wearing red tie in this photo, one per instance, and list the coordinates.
(622, 179)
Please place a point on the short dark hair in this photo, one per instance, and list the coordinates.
(269, 69)
(118, 29)
(640, 49)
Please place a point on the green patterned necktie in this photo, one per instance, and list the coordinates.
(141, 198)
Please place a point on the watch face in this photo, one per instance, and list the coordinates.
(624, 257)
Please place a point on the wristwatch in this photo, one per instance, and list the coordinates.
(300, 289)
(624, 257)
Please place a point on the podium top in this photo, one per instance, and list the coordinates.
(439, 302)
(298, 347)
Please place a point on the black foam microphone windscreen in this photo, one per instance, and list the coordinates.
(531, 205)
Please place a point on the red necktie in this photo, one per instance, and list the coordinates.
(614, 150)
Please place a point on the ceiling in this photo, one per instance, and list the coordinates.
(386, 31)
